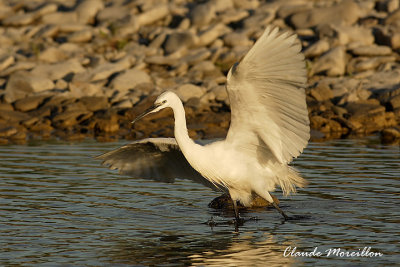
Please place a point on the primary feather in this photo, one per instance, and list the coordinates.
(268, 106)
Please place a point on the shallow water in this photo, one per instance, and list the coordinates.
(58, 206)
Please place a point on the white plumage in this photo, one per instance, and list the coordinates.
(269, 127)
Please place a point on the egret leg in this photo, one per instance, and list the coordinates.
(280, 211)
(235, 208)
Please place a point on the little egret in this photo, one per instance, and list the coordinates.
(269, 127)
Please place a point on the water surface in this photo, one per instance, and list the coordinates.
(59, 206)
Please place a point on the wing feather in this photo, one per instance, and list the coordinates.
(158, 159)
(266, 92)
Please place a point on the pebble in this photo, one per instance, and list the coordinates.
(333, 63)
(129, 79)
(21, 84)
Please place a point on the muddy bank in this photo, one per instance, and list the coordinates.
(87, 68)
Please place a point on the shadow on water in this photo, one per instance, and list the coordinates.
(58, 205)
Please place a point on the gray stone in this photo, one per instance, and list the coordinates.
(211, 33)
(346, 12)
(346, 34)
(82, 36)
(52, 55)
(60, 18)
(12, 116)
(362, 64)
(187, 91)
(202, 14)
(95, 103)
(393, 19)
(129, 79)
(236, 39)
(321, 91)
(317, 48)
(22, 83)
(87, 10)
(6, 106)
(22, 65)
(6, 61)
(179, 40)
(112, 13)
(153, 15)
(373, 50)
(29, 103)
(81, 89)
(333, 63)
(58, 70)
(106, 70)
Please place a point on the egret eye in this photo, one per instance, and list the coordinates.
(165, 101)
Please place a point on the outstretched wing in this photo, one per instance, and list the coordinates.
(158, 159)
(267, 98)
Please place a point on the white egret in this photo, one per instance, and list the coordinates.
(269, 127)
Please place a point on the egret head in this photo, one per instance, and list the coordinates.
(165, 100)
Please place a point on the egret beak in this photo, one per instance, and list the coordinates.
(146, 112)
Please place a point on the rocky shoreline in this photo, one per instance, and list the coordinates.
(86, 68)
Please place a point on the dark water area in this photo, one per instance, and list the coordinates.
(58, 206)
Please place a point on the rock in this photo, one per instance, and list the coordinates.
(369, 117)
(347, 12)
(6, 61)
(43, 127)
(52, 55)
(393, 19)
(124, 104)
(81, 89)
(106, 126)
(220, 94)
(23, 83)
(82, 36)
(58, 70)
(202, 14)
(68, 119)
(94, 103)
(360, 64)
(395, 102)
(19, 19)
(321, 91)
(333, 63)
(389, 36)
(372, 50)
(129, 79)
(13, 116)
(106, 70)
(86, 11)
(7, 131)
(390, 135)
(60, 18)
(153, 15)
(19, 137)
(196, 55)
(187, 91)
(325, 125)
(23, 65)
(233, 39)
(112, 13)
(179, 40)
(211, 33)
(344, 34)
(387, 5)
(317, 48)
(6, 106)
(29, 103)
